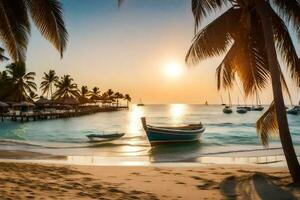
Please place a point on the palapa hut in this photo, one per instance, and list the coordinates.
(3, 107)
(23, 106)
(43, 103)
(67, 102)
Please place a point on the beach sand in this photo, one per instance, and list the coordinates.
(37, 181)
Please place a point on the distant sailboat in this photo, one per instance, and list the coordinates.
(295, 110)
(258, 106)
(140, 103)
(223, 104)
(228, 109)
(241, 109)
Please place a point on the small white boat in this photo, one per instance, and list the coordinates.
(104, 137)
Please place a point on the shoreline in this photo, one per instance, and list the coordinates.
(20, 156)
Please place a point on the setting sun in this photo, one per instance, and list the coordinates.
(173, 69)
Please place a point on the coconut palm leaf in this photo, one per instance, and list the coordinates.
(47, 15)
(202, 8)
(2, 57)
(14, 28)
(267, 125)
(290, 10)
(215, 38)
(286, 47)
(225, 72)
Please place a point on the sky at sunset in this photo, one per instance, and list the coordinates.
(129, 49)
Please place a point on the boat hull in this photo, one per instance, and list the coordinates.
(241, 111)
(162, 136)
(104, 138)
(227, 110)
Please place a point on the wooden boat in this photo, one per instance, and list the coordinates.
(241, 110)
(159, 135)
(104, 137)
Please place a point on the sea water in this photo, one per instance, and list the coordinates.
(225, 134)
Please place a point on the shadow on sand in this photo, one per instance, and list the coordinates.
(255, 186)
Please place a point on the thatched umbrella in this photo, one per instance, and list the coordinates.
(43, 101)
(23, 104)
(67, 101)
(3, 107)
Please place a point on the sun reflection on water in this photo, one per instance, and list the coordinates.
(177, 111)
(134, 125)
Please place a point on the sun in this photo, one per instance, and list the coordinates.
(173, 69)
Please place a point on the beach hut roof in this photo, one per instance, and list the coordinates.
(3, 104)
(69, 101)
(24, 103)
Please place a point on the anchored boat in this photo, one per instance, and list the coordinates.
(158, 135)
(241, 110)
(228, 109)
(104, 137)
(294, 111)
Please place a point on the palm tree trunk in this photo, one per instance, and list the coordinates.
(284, 131)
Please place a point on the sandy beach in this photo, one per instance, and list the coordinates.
(37, 181)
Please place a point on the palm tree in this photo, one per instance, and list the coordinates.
(118, 96)
(110, 92)
(249, 33)
(15, 25)
(66, 88)
(84, 91)
(19, 83)
(48, 81)
(127, 98)
(83, 94)
(95, 93)
(33, 96)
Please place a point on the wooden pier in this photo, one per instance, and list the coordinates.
(57, 114)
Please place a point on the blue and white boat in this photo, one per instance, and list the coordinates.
(158, 135)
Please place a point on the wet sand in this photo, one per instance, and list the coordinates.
(37, 181)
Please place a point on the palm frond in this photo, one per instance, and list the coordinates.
(2, 57)
(253, 70)
(48, 17)
(14, 28)
(267, 125)
(202, 8)
(290, 11)
(284, 85)
(215, 38)
(225, 72)
(286, 47)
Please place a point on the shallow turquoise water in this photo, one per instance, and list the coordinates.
(224, 133)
